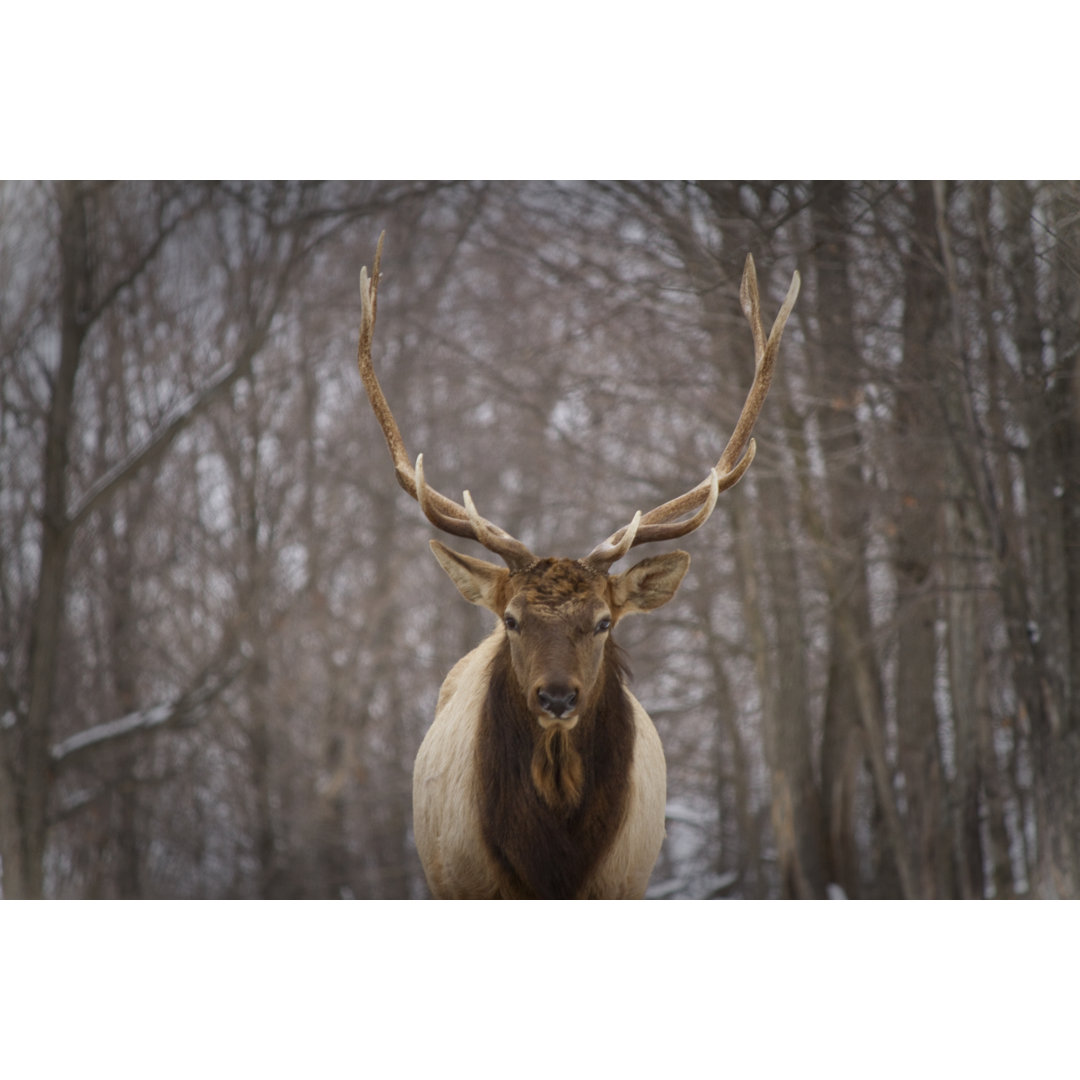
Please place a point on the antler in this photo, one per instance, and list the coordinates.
(442, 512)
(667, 521)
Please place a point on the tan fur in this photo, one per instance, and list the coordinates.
(445, 797)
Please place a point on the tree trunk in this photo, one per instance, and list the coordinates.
(855, 682)
(794, 797)
(24, 837)
(917, 489)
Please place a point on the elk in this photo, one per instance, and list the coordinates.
(542, 777)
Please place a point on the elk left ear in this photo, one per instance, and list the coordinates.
(649, 583)
(478, 581)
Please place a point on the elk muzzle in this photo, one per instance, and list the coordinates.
(557, 700)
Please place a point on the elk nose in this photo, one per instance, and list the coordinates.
(557, 701)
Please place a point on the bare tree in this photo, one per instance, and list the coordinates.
(218, 654)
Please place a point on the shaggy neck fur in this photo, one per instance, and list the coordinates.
(551, 802)
(557, 770)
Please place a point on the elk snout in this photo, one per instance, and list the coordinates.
(557, 699)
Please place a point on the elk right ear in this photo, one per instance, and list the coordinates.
(478, 581)
(649, 583)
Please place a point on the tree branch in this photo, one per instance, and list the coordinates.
(159, 442)
(187, 708)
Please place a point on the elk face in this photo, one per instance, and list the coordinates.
(558, 615)
(558, 620)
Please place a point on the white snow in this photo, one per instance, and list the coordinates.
(143, 719)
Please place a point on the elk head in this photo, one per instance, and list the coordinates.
(558, 613)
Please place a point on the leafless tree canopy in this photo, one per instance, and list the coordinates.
(222, 634)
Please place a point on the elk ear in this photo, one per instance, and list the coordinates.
(478, 581)
(649, 583)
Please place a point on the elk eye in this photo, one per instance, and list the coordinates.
(510, 622)
(603, 626)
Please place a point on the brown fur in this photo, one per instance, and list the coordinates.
(448, 785)
(557, 770)
(548, 825)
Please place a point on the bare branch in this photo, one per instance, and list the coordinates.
(187, 708)
(160, 441)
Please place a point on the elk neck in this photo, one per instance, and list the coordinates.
(552, 799)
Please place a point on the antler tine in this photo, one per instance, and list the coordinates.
(663, 522)
(442, 512)
(615, 546)
(428, 498)
(622, 540)
(475, 527)
(765, 353)
(513, 551)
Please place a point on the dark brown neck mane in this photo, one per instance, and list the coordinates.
(551, 802)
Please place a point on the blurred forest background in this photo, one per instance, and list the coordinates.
(222, 633)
